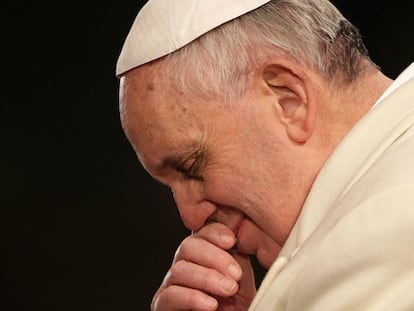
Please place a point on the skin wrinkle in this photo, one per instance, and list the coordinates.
(197, 127)
(256, 167)
(212, 164)
(244, 156)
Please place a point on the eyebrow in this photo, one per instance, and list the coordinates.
(175, 159)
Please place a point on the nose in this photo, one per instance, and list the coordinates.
(194, 209)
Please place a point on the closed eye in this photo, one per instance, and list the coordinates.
(191, 167)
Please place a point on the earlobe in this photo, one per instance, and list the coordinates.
(301, 128)
(292, 104)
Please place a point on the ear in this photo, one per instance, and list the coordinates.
(292, 103)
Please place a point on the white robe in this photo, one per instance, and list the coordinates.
(352, 247)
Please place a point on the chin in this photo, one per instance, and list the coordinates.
(266, 260)
(254, 241)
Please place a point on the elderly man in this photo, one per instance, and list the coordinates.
(280, 138)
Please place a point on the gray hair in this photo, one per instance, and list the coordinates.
(217, 64)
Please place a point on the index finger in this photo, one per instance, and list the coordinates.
(202, 252)
(217, 234)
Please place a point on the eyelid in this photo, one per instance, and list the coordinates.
(191, 165)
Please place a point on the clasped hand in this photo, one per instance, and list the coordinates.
(207, 275)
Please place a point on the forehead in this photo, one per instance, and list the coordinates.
(145, 90)
(155, 117)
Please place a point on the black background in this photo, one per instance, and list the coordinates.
(82, 225)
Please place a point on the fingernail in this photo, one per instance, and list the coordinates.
(227, 239)
(228, 285)
(210, 303)
(234, 271)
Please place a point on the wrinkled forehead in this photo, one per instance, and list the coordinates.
(153, 114)
(145, 91)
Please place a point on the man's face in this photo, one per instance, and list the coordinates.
(231, 165)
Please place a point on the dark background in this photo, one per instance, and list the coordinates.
(82, 225)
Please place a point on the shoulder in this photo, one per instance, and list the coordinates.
(363, 258)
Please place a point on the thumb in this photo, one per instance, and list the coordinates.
(247, 285)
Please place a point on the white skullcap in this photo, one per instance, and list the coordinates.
(164, 26)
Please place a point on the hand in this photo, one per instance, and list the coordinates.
(206, 275)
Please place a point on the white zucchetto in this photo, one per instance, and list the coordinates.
(164, 26)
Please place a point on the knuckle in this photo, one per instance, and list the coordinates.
(168, 295)
(161, 299)
(185, 247)
(155, 303)
(177, 270)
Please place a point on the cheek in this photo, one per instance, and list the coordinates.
(227, 189)
(242, 183)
